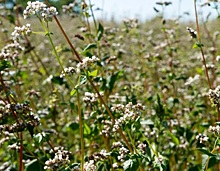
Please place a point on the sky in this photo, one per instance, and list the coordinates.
(143, 9)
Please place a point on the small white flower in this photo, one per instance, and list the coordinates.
(215, 129)
(159, 159)
(202, 138)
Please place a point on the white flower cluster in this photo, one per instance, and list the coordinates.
(91, 97)
(68, 8)
(214, 95)
(192, 32)
(40, 10)
(202, 138)
(122, 154)
(117, 144)
(151, 132)
(61, 157)
(86, 63)
(106, 131)
(183, 143)
(215, 129)
(69, 70)
(159, 159)
(11, 51)
(192, 80)
(19, 31)
(14, 146)
(90, 165)
(129, 112)
(142, 147)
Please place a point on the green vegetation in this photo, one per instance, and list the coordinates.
(77, 93)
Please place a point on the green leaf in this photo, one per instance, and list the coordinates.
(174, 138)
(130, 165)
(204, 151)
(213, 161)
(86, 53)
(216, 142)
(101, 166)
(57, 80)
(93, 73)
(40, 138)
(100, 32)
(72, 166)
(11, 18)
(73, 126)
(90, 46)
(197, 45)
(113, 79)
(4, 64)
(83, 80)
(204, 161)
(86, 130)
(35, 165)
(147, 122)
(30, 129)
(73, 92)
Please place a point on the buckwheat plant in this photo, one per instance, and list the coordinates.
(40, 10)
(118, 96)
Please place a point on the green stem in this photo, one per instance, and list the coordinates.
(93, 17)
(132, 142)
(148, 142)
(207, 163)
(52, 44)
(81, 131)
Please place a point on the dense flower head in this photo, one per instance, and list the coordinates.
(90, 165)
(202, 138)
(91, 97)
(69, 70)
(61, 157)
(215, 129)
(19, 31)
(129, 113)
(214, 95)
(41, 10)
(11, 51)
(86, 62)
(192, 32)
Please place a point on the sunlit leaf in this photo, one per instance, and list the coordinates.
(174, 138)
(93, 73)
(130, 165)
(86, 129)
(73, 92)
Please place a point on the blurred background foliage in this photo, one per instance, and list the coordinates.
(57, 3)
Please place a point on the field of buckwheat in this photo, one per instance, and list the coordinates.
(82, 94)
